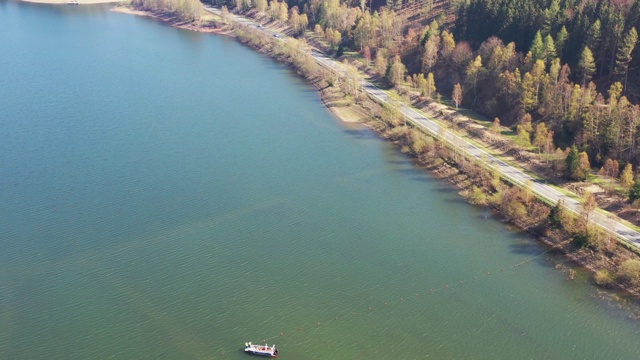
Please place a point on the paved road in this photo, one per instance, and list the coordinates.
(514, 174)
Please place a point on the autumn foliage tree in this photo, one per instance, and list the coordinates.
(456, 96)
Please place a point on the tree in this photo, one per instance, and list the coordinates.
(524, 130)
(430, 86)
(333, 37)
(283, 12)
(430, 55)
(561, 40)
(524, 136)
(381, 62)
(456, 96)
(396, 72)
(593, 35)
(537, 47)
(541, 137)
(573, 163)
(262, 5)
(610, 169)
(634, 192)
(626, 178)
(586, 65)
(495, 127)
(584, 166)
(474, 69)
(447, 45)
(623, 55)
(549, 50)
(366, 54)
(588, 205)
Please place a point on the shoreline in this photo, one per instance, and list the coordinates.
(167, 19)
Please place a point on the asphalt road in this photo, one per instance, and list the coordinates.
(515, 175)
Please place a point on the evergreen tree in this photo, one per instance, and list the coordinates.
(537, 47)
(561, 40)
(634, 192)
(593, 35)
(586, 65)
(572, 163)
(549, 50)
(623, 55)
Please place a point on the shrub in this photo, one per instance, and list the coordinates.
(477, 196)
(629, 272)
(603, 278)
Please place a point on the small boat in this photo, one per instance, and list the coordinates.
(72, 2)
(262, 350)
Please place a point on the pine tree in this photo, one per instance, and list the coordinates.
(572, 163)
(586, 65)
(593, 35)
(634, 192)
(537, 47)
(549, 50)
(561, 40)
(623, 55)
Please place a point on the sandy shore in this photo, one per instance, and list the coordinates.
(80, 2)
(199, 26)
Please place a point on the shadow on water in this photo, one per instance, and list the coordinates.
(446, 190)
(360, 134)
(527, 248)
(457, 200)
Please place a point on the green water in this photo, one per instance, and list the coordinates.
(171, 195)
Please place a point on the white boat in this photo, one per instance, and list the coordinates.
(262, 350)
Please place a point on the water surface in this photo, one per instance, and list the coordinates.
(170, 195)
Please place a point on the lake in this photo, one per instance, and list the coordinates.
(170, 195)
